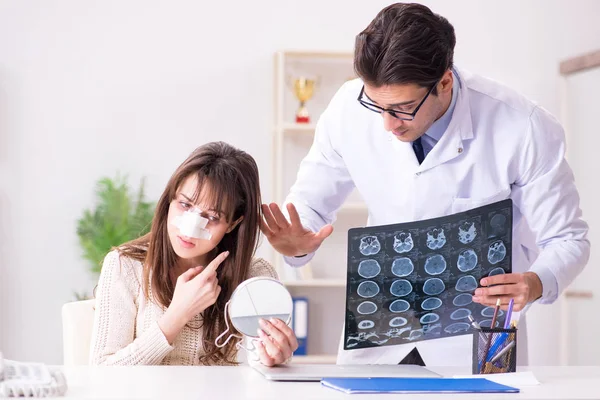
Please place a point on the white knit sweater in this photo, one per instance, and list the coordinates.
(126, 328)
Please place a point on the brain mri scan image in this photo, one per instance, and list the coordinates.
(496, 252)
(402, 267)
(498, 225)
(434, 286)
(431, 303)
(367, 289)
(467, 260)
(399, 306)
(366, 324)
(401, 287)
(403, 242)
(461, 313)
(435, 264)
(463, 299)
(466, 283)
(436, 239)
(398, 321)
(467, 232)
(487, 323)
(415, 334)
(369, 246)
(496, 271)
(489, 312)
(457, 327)
(367, 307)
(432, 328)
(429, 318)
(369, 269)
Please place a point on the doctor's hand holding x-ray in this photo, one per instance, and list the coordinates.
(523, 288)
(419, 138)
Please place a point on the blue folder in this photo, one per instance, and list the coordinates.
(416, 385)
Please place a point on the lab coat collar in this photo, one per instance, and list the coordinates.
(460, 129)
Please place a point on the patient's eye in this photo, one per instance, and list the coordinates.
(214, 218)
(184, 205)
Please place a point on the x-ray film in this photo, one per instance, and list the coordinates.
(415, 281)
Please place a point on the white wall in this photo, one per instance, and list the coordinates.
(91, 88)
(581, 114)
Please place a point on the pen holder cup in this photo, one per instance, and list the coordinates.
(494, 351)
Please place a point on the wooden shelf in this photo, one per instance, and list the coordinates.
(354, 206)
(316, 54)
(293, 127)
(318, 282)
(315, 359)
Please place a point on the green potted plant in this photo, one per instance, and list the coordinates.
(118, 217)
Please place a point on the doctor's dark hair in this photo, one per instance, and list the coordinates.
(405, 43)
(232, 174)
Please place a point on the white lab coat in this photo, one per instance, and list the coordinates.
(497, 145)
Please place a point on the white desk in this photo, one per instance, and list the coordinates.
(244, 383)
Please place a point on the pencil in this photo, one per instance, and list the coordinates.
(495, 314)
(489, 343)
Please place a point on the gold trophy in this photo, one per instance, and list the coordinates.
(303, 89)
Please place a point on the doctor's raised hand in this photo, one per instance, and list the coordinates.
(290, 238)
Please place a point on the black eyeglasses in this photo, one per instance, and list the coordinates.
(405, 116)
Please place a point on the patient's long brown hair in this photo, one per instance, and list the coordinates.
(233, 178)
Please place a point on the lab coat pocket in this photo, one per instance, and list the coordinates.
(460, 204)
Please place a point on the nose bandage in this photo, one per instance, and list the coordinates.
(193, 225)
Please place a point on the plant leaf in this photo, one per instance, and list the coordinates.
(118, 217)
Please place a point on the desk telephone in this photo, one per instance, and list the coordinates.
(19, 379)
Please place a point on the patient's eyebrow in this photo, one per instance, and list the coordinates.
(210, 209)
(187, 198)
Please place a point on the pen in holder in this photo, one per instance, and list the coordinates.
(494, 350)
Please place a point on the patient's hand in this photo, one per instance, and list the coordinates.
(195, 291)
(277, 345)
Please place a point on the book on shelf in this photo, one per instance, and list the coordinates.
(300, 324)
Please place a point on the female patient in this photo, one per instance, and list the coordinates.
(161, 297)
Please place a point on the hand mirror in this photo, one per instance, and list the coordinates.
(253, 299)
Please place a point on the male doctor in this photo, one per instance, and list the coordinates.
(420, 139)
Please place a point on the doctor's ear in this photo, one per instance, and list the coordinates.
(234, 224)
(445, 84)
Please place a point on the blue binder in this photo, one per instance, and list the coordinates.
(416, 385)
(300, 324)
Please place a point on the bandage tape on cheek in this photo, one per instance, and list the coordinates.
(193, 225)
